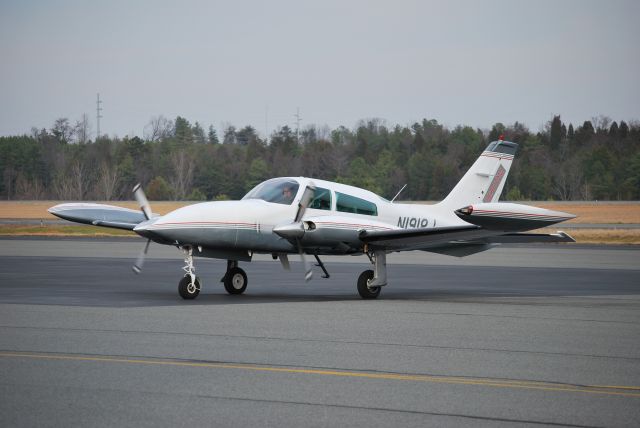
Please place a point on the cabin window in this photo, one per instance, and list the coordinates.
(321, 200)
(351, 204)
(279, 191)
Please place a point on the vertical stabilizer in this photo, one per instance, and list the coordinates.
(485, 179)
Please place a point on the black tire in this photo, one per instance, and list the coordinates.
(188, 291)
(363, 289)
(235, 281)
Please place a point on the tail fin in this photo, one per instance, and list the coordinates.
(486, 177)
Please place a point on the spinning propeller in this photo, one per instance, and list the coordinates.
(142, 201)
(295, 231)
(145, 207)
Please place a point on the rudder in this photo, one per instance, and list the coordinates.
(485, 180)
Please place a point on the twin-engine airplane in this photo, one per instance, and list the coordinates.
(291, 215)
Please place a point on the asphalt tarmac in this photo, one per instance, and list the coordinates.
(506, 338)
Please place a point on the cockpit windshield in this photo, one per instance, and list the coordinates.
(277, 190)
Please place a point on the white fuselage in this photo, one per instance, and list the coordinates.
(248, 224)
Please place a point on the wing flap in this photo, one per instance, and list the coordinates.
(114, 224)
(408, 239)
(523, 238)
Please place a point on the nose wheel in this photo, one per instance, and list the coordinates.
(188, 288)
(189, 285)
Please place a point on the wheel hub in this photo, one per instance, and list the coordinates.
(237, 281)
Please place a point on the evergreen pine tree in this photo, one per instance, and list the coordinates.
(555, 135)
(213, 135)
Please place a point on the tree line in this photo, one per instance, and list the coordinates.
(177, 160)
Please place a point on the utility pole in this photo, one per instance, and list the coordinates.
(266, 123)
(98, 116)
(298, 119)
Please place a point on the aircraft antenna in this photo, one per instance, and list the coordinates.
(399, 191)
(98, 115)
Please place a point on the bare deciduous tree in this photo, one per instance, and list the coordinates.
(183, 166)
(71, 182)
(62, 129)
(158, 128)
(82, 129)
(79, 177)
(9, 175)
(63, 187)
(601, 122)
(107, 181)
(29, 189)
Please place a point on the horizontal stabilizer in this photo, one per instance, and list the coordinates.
(509, 217)
(99, 215)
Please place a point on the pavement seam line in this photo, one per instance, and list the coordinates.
(607, 390)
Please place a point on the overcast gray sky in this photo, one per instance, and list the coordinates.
(460, 62)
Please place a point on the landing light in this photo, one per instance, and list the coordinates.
(466, 210)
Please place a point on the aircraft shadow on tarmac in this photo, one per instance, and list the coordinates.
(109, 283)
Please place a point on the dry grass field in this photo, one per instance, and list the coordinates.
(599, 236)
(56, 230)
(587, 212)
(597, 212)
(38, 209)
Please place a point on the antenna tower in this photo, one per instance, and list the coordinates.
(98, 115)
(298, 119)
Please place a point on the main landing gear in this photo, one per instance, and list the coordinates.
(234, 280)
(370, 282)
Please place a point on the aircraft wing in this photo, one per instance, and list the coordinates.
(456, 240)
(99, 215)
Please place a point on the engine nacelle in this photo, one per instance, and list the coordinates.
(510, 217)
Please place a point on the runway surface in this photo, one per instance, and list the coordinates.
(509, 339)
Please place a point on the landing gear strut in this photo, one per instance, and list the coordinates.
(235, 279)
(189, 285)
(370, 282)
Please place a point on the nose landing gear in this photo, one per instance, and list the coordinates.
(189, 285)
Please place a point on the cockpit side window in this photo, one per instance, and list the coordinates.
(279, 191)
(351, 204)
(322, 199)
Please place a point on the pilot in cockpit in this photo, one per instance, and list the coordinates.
(287, 194)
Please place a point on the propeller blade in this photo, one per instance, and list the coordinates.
(307, 197)
(284, 260)
(142, 200)
(137, 267)
(308, 272)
